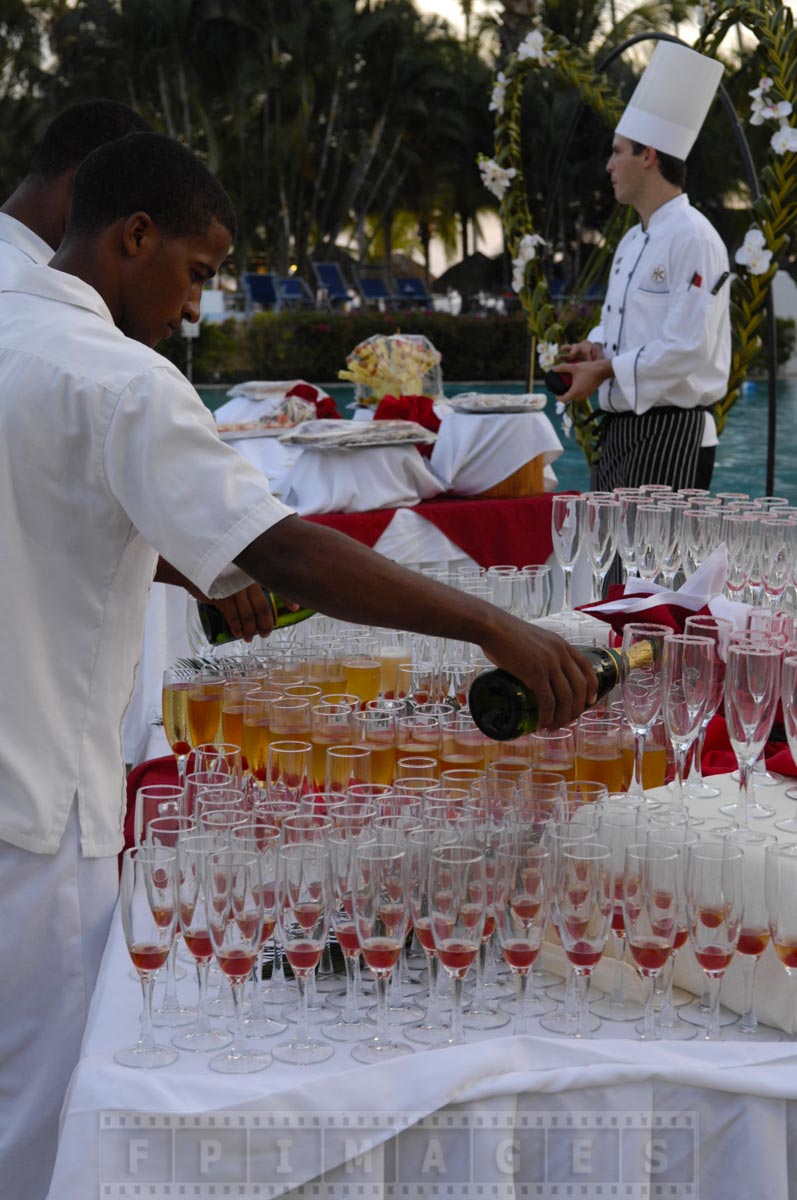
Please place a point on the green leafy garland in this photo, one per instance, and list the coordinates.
(775, 213)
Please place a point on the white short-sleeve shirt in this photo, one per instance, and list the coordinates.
(19, 247)
(107, 458)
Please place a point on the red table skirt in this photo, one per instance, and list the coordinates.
(493, 532)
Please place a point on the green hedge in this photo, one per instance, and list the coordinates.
(314, 346)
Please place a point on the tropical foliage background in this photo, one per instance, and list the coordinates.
(351, 125)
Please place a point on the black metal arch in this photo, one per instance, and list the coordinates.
(751, 177)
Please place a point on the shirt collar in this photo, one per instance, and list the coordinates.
(24, 239)
(59, 286)
(666, 211)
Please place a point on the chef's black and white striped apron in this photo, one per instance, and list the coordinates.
(660, 446)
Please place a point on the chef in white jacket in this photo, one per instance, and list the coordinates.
(661, 354)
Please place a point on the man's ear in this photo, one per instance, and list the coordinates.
(138, 233)
(649, 157)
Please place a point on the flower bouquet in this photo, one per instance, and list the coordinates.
(398, 365)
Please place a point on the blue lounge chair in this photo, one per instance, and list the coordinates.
(413, 291)
(294, 293)
(374, 288)
(261, 290)
(330, 280)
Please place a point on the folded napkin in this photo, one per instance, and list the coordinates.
(719, 758)
(653, 604)
(325, 406)
(410, 408)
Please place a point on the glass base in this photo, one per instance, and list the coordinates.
(760, 1033)
(404, 1014)
(485, 1018)
(211, 1039)
(545, 979)
(700, 791)
(303, 1054)
(679, 1031)
(791, 793)
(788, 825)
(279, 993)
(316, 1015)
(609, 1010)
(429, 1033)
(762, 778)
(499, 988)
(173, 1018)
(696, 1015)
(540, 1006)
(263, 1027)
(567, 1026)
(558, 992)
(376, 1050)
(148, 1057)
(244, 1063)
(349, 1031)
(335, 1000)
(754, 810)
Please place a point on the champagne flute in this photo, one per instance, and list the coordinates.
(752, 687)
(780, 883)
(351, 1025)
(641, 690)
(346, 764)
(567, 527)
(687, 668)
(789, 701)
(523, 891)
(304, 903)
(650, 539)
(234, 893)
(193, 851)
(288, 770)
(538, 591)
(457, 898)
(167, 831)
(628, 499)
(174, 704)
(263, 839)
(221, 757)
(714, 910)
(678, 837)
(432, 1029)
(154, 800)
(601, 528)
(651, 901)
(719, 630)
(381, 916)
(754, 936)
(584, 898)
(148, 904)
(618, 829)
(204, 707)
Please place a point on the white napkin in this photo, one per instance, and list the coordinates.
(474, 452)
(355, 480)
(701, 590)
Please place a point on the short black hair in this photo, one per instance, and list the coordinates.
(673, 169)
(151, 173)
(78, 130)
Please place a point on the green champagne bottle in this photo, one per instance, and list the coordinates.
(504, 708)
(218, 632)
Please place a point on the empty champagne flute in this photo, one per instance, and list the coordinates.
(752, 688)
(601, 528)
(641, 688)
(719, 631)
(148, 906)
(567, 527)
(789, 701)
(687, 668)
(650, 539)
(538, 591)
(714, 910)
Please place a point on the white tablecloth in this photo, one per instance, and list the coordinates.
(501, 1114)
(474, 452)
(329, 481)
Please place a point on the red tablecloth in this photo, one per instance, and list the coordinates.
(493, 532)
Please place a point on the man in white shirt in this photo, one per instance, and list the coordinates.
(661, 354)
(106, 452)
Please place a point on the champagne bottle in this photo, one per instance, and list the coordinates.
(504, 708)
(217, 631)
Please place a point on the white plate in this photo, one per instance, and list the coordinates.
(237, 435)
(481, 402)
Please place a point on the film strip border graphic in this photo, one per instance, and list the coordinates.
(465, 1155)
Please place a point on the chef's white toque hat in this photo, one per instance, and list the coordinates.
(671, 100)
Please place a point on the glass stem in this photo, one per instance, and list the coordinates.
(667, 1012)
(649, 1020)
(745, 770)
(457, 1030)
(350, 1007)
(582, 983)
(570, 1006)
(239, 1031)
(567, 573)
(479, 1002)
(636, 788)
(521, 1025)
(202, 1015)
(147, 1039)
(278, 965)
(182, 759)
(696, 773)
(433, 969)
(382, 1030)
(597, 586)
(749, 1021)
(713, 1030)
(170, 999)
(302, 1022)
(618, 991)
(678, 783)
